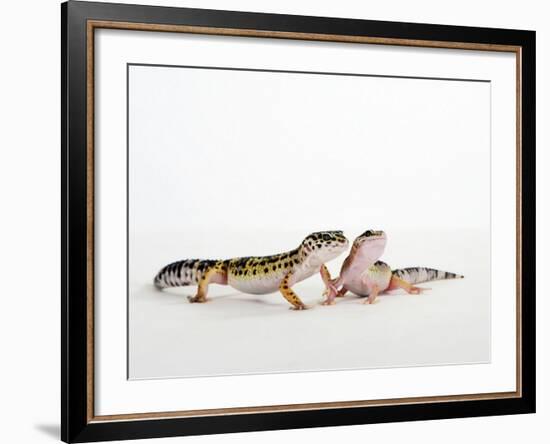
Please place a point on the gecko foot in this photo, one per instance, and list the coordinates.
(328, 301)
(300, 307)
(198, 299)
(417, 290)
(330, 295)
(370, 302)
(371, 299)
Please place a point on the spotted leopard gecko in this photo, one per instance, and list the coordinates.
(363, 274)
(259, 274)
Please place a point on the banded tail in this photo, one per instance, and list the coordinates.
(181, 273)
(417, 275)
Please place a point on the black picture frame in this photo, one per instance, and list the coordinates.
(76, 423)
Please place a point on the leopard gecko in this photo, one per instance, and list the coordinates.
(259, 274)
(363, 274)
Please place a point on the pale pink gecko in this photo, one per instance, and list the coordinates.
(363, 274)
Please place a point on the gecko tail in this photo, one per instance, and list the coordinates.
(418, 275)
(181, 273)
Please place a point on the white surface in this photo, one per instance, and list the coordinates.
(30, 398)
(115, 394)
(238, 333)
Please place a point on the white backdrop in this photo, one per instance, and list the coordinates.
(225, 151)
(30, 317)
(231, 163)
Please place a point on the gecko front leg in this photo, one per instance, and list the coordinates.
(331, 286)
(375, 281)
(375, 291)
(289, 295)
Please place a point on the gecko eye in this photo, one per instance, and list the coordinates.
(326, 237)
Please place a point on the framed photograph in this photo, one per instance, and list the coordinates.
(275, 221)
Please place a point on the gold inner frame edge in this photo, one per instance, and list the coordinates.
(105, 24)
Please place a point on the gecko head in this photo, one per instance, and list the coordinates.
(370, 244)
(323, 246)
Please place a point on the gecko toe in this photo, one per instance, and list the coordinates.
(300, 307)
(195, 299)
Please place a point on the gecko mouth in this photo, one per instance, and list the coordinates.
(374, 238)
(370, 236)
